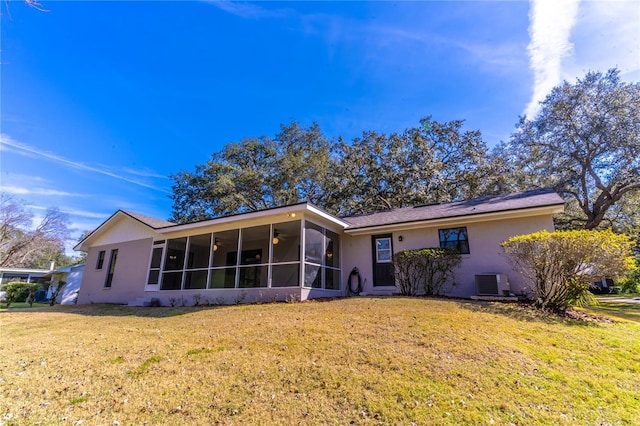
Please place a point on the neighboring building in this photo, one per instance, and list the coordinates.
(72, 276)
(300, 252)
(28, 275)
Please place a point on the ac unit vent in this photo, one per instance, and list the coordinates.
(492, 284)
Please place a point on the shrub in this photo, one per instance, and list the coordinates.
(19, 291)
(426, 270)
(631, 282)
(560, 266)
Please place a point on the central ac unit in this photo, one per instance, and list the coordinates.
(492, 285)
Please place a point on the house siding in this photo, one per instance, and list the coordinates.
(129, 276)
(487, 227)
(485, 255)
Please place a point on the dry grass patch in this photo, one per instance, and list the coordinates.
(358, 360)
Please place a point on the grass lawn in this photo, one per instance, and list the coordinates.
(616, 310)
(393, 361)
(19, 305)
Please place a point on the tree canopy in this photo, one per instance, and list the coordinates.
(585, 143)
(256, 173)
(430, 163)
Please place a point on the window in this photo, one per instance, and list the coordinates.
(322, 258)
(225, 258)
(173, 264)
(176, 249)
(383, 250)
(286, 242)
(100, 261)
(154, 269)
(198, 261)
(255, 257)
(455, 238)
(112, 268)
(255, 242)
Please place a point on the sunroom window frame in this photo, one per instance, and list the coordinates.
(237, 267)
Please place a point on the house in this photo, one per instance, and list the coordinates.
(29, 275)
(300, 252)
(72, 276)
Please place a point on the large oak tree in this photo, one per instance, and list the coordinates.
(435, 162)
(254, 174)
(585, 143)
(431, 163)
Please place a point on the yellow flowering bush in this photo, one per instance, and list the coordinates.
(560, 266)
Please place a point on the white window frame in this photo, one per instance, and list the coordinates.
(390, 250)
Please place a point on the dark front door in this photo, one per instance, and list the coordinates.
(382, 246)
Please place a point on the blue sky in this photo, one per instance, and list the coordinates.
(102, 101)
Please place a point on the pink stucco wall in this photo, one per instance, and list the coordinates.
(129, 276)
(486, 255)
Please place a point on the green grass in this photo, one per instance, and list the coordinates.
(615, 310)
(22, 305)
(365, 361)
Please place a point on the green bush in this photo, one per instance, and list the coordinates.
(424, 270)
(19, 291)
(561, 266)
(631, 282)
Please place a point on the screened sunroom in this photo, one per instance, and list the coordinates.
(277, 257)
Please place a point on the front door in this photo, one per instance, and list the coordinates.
(382, 246)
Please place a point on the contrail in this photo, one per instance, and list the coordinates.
(550, 25)
(6, 140)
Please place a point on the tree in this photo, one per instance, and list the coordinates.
(560, 266)
(256, 173)
(585, 143)
(431, 163)
(434, 162)
(624, 217)
(56, 291)
(24, 246)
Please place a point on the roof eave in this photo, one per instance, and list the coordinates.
(277, 211)
(82, 246)
(475, 217)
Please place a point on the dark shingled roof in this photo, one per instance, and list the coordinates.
(151, 222)
(489, 204)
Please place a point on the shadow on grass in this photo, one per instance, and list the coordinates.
(523, 312)
(115, 310)
(616, 310)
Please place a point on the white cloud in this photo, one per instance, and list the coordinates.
(570, 38)
(18, 190)
(76, 212)
(550, 24)
(144, 173)
(606, 35)
(247, 10)
(29, 151)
